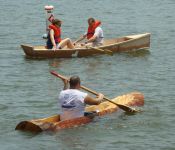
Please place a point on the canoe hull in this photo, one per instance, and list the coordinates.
(53, 123)
(123, 44)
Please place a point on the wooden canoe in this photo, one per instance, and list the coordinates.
(53, 123)
(122, 44)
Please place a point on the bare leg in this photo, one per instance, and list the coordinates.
(66, 42)
(70, 44)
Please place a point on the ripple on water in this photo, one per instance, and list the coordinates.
(3, 107)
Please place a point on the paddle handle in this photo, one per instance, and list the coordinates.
(95, 93)
(91, 91)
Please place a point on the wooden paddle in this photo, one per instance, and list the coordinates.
(123, 107)
(109, 52)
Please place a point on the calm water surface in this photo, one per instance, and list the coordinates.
(28, 90)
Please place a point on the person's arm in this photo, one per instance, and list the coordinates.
(52, 39)
(92, 39)
(65, 84)
(94, 101)
(80, 39)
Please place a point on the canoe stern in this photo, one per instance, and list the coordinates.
(135, 42)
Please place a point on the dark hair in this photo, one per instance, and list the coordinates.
(56, 22)
(91, 20)
(74, 80)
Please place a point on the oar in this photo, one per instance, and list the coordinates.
(123, 107)
(109, 52)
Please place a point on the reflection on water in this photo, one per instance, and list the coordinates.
(93, 63)
(27, 134)
(140, 53)
(137, 53)
(55, 63)
(72, 140)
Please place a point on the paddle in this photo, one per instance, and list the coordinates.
(109, 52)
(123, 107)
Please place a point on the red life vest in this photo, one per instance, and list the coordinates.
(91, 30)
(57, 33)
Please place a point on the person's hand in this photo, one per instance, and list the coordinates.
(74, 43)
(100, 96)
(54, 47)
(82, 44)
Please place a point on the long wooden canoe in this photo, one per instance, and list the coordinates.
(53, 123)
(122, 44)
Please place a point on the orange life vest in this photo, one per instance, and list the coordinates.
(91, 30)
(57, 33)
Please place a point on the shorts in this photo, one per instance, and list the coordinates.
(50, 45)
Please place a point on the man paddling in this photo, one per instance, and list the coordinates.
(73, 101)
(94, 34)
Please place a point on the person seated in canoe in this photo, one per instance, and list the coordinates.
(54, 40)
(73, 101)
(94, 34)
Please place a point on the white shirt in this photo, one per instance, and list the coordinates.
(100, 37)
(72, 103)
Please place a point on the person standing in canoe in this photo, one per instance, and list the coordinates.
(54, 40)
(73, 101)
(94, 34)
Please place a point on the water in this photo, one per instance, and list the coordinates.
(29, 91)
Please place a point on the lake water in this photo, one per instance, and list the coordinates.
(29, 91)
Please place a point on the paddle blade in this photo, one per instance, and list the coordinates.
(108, 52)
(54, 73)
(58, 75)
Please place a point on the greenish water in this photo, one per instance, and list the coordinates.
(29, 91)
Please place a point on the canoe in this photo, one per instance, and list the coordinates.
(122, 44)
(53, 123)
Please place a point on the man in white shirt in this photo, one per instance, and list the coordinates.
(73, 101)
(94, 34)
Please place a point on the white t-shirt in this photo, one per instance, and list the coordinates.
(100, 37)
(72, 103)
